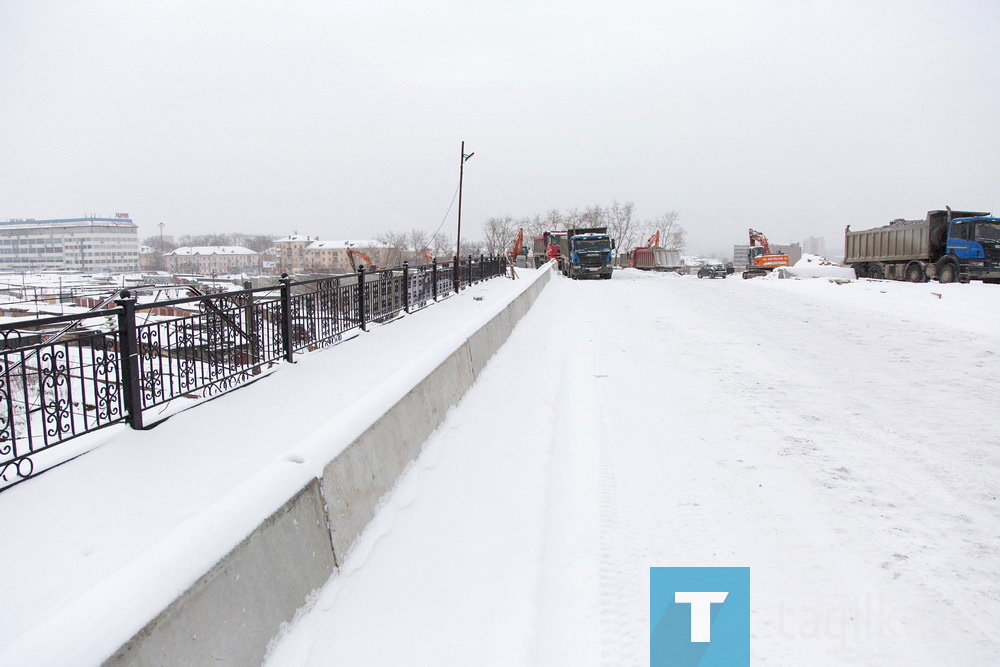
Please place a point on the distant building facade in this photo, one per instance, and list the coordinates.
(77, 244)
(740, 256)
(213, 260)
(307, 254)
(815, 245)
(793, 250)
(150, 259)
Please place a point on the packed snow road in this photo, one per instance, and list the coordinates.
(840, 440)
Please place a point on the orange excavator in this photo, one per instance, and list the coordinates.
(351, 254)
(760, 259)
(518, 244)
(428, 257)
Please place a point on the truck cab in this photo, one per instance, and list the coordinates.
(587, 253)
(973, 250)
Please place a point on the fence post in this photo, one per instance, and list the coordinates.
(434, 278)
(251, 328)
(361, 298)
(406, 287)
(128, 345)
(286, 318)
(482, 269)
(458, 274)
(470, 270)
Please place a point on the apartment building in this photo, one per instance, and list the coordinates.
(308, 254)
(213, 260)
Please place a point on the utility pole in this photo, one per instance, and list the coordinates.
(458, 241)
(161, 238)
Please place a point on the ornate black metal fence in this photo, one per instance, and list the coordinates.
(63, 377)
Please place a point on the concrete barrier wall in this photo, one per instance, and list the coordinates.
(222, 618)
(229, 616)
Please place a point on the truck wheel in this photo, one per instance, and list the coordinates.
(947, 272)
(860, 270)
(875, 271)
(915, 273)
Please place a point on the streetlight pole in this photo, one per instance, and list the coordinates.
(458, 241)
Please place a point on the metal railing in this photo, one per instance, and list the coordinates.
(63, 377)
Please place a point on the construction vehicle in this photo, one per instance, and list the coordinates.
(546, 247)
(351, 254)
(951, 246)
(651, 257)
(428, 257)
(518, 247)
(760, 259)
(586, 252)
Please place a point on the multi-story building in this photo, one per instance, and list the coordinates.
(308, 254)
(793, 250)
(78, 244)
(815, 245)
(213, 260)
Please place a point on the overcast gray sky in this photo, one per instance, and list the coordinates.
(344, 119)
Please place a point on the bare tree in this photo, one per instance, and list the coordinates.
(498, 234)
(533, 226)
(441, 245)
(396, 246)
(622, 225)
(672, 235)
(553, 220)
(472, 247)
(418, 241)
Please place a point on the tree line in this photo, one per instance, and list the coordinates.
(498, 234)
(623, 225)
(255, 242)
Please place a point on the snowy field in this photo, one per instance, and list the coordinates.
(839, 439)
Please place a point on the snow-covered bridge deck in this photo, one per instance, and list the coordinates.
(841, 440)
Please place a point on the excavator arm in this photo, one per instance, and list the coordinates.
(756, 238)
(351, 254)
(518, 243)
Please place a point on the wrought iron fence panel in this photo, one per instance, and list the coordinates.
(52, 392)
(323, 312)
(446, 279)
(383, 295)
(419, 287)
(209, 352)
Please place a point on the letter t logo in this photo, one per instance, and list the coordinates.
(701, 612)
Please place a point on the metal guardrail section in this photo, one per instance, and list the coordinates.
(114, 365)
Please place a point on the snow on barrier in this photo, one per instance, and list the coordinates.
(231, 613)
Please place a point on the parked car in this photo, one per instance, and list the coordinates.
(712, 271)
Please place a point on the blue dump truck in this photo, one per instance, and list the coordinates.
(586, 253)
(951, 246)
